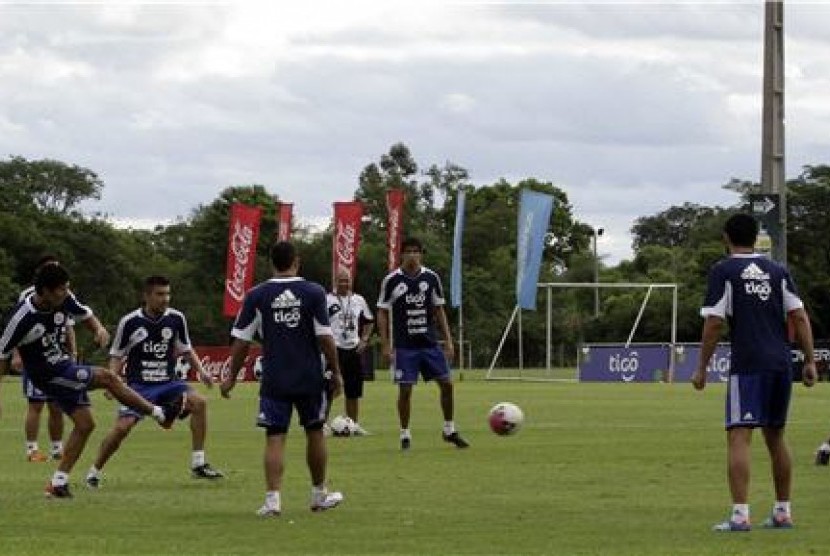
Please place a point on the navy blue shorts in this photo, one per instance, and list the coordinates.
(429, 363)
(68, 385)
(157, 394)
(275, 413)
(758, 400)
(32, 392)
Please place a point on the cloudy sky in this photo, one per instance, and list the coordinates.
(628, 107)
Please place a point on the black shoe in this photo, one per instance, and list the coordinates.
(93, 481)
(822, 457)
(61, 491)
(206, 472)
(456, 439)
(405, 443)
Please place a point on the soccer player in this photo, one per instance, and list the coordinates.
(755, 296)
(289, 315)
(35, 399)
(146, 345)
(351, 323)
(34, 328)
(413, 298)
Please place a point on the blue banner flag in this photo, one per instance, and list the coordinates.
(534, 215)
(455, 273)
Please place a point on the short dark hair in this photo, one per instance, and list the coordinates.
(411, 242)
(741, 229)
(155, 280)
(283, 254)
(50, 276)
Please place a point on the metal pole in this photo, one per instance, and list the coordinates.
(597, 232)
(772, 135)
(548, 324)
(460, 337)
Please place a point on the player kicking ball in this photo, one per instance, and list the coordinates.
(146, 345)
(35, 327)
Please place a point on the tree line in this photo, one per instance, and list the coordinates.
(39, 214)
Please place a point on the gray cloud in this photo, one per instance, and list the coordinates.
(630, 108)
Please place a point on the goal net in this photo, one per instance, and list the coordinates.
(545, 345)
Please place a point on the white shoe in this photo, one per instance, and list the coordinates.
(325, 501)
(357, 430)
(268, 511)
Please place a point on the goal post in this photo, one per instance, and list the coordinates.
(547, 372)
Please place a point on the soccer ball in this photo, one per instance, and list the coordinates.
(506, 418)
(342, 426)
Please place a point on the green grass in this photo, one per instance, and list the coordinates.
(598, 469)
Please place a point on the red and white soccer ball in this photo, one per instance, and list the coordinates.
(506, 418)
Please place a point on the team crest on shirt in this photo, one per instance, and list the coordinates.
(423, 286)
(59, 318)
(82, 374)
(166, 333)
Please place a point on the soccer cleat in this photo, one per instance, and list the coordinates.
(93, 481)
(36, 457)
(778, 520)
(357, 430)
(406, 442)
(325, 501)
(455, 438)
(61, 491)
(733, 526)
(822, 457)
(206, 472)
(268, 511)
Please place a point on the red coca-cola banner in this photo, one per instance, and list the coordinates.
(284, 221)
(243, 233)
(216, 360)
(394, 226)
(345, 238)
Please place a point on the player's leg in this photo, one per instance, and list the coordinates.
(55, 425)
(311, 413)
(435, 367)
(35, 400)
(124, 423)
(350, 366)
(106, 379)
(274, 416)
(83, 425)
(196, 406)
(406, 366)
(777, 388)
(31, 428)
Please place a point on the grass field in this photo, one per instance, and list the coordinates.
(598, 469)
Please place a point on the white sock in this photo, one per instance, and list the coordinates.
(197, 458)
(272, 499)
(405, 434)
(60, 478)
(318, 491)
(449, 427)
(57, 447)
(158, 414)
(31, 447)
(741, 510)
(782, 506)
(93, 472)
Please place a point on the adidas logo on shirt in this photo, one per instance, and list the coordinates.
(753, 272)
(748, 416)
(286, 300)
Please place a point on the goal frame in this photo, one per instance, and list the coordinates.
(548, 286)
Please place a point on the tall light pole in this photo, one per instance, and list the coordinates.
(596, 233)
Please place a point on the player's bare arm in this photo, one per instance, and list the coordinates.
(365, 334)
(204, 377)
(709, 341)
(441, 318)
(804, 335)
(383, 332)
(239, 351)
(99, 333)
(329, 349)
